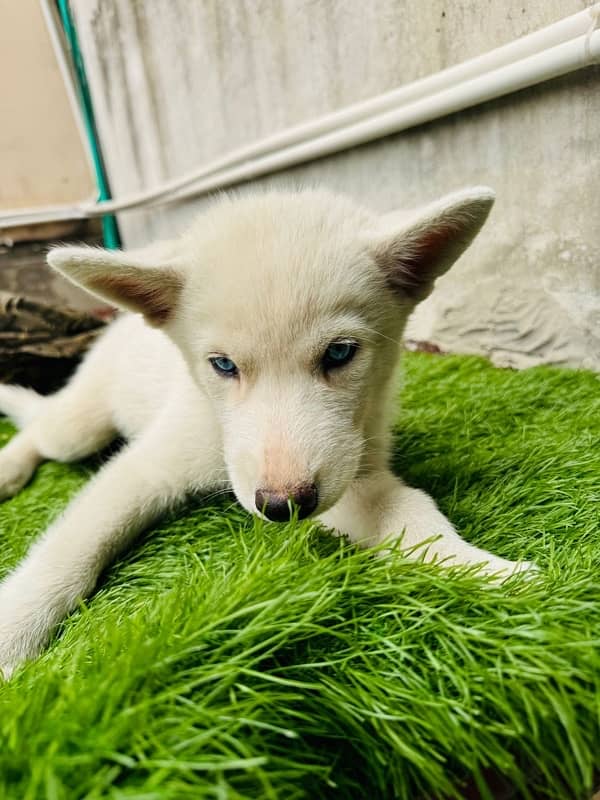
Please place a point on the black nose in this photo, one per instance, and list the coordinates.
(277, 506)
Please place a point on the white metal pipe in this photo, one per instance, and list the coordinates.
(557, 33)
(543, 65)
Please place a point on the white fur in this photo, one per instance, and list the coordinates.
(268, 280)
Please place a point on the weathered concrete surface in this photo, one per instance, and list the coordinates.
(42, 158)
(175, 84)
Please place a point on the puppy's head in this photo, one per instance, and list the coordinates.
(288, 309)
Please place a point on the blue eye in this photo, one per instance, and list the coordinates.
(338, 354)
(224, 366)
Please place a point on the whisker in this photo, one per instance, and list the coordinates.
(216, 493)
(381, 335)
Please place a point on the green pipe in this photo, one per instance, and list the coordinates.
(109, 223)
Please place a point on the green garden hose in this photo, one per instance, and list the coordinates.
(109, 223)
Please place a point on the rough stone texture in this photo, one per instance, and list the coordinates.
(175, 84)
(41, 344)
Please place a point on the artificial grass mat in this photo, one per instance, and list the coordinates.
(227, 658)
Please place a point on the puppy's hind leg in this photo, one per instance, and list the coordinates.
(18, 460)
(67, 426)
(19, 404)
(20, 457)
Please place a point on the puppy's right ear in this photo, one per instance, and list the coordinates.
(128, 280)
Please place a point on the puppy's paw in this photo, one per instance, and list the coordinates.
(501, 570)
(6, 668)
(13, 649)
(21, 623)
(13, 476)
(21, 639)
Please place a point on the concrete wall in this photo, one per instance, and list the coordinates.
(42, 157)
(177, 83)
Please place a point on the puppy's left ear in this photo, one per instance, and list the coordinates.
(416, 248)
(133, 280)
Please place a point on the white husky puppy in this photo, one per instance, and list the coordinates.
(260, 357)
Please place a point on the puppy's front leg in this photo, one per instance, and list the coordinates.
(64, 565)
(379, 508)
